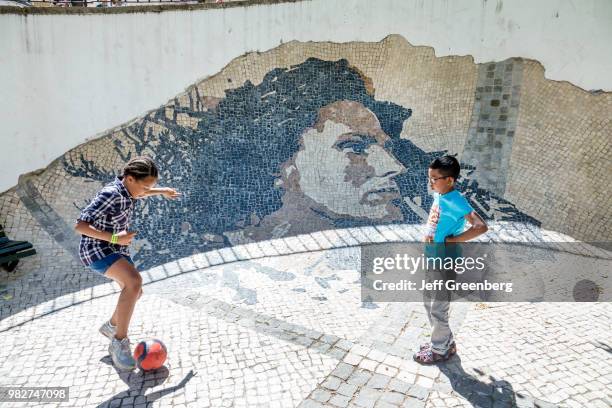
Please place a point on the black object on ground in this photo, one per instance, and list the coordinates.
(12, 251)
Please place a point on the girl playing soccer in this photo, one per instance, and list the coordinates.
(105, 238)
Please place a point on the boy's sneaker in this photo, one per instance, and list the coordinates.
(452, 349)
(426, 355)
(121, 353)
(108, 330)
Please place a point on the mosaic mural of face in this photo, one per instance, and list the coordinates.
(342, 164)
(307, 149)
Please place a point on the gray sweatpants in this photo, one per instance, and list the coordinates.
(437, 307)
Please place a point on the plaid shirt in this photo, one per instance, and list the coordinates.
(110, 211)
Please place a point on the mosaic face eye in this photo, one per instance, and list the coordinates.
(353, 147)
(358, 144)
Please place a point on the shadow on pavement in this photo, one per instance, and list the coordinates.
(497, 393)
(139, 382)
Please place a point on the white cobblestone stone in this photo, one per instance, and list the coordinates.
(275, 351)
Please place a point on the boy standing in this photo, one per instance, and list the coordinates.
(446, 224)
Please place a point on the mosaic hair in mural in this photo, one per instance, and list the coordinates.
(308, 149)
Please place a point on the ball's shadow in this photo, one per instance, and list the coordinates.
(139, 382)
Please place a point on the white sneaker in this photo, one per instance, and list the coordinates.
(121, 353)
(108, 330)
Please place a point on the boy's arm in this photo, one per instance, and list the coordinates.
(432, 223)
(478, 227)
(165, 191)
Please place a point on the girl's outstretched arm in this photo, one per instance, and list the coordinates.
(165, 191)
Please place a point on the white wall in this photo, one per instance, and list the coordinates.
(66, 78)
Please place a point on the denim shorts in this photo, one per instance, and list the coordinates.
(102, 265)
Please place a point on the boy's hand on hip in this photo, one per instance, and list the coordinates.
(125, 237)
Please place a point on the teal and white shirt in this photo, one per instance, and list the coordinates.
(447, 215)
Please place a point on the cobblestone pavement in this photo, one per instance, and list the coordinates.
(282, 324)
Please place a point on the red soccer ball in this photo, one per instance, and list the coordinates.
(150, 354)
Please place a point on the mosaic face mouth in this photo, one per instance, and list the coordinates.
(381, 195)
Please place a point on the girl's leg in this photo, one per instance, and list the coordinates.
(113, 319)
(130, 281)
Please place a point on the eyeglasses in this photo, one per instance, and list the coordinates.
(434, 179)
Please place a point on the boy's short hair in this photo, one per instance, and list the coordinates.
(448, 166)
